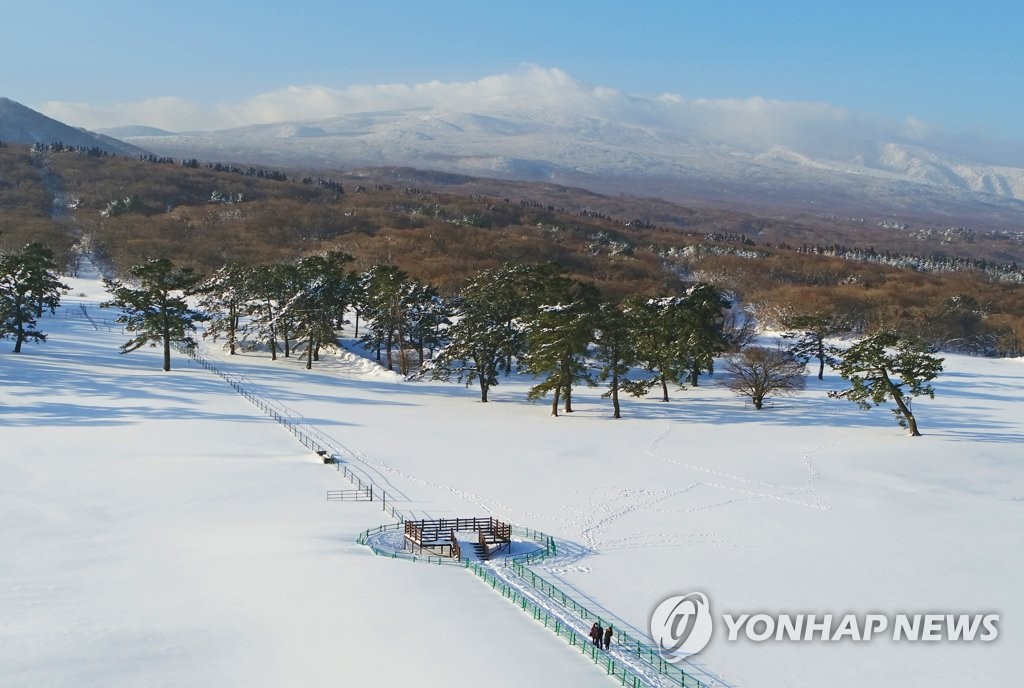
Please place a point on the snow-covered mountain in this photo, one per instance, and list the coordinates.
(823, 167)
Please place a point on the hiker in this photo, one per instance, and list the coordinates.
(595, 634)
(608, 637)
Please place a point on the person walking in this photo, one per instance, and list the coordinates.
(608, 637)
(596, 633)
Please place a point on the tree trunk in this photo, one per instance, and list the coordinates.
(664, 387)
(554, 403)
(19, 335)
(309, 354)
(894, 392)
(567, 382)
(758, 402)
(232, 327)
(615, 396)
(821, 359)
(167, 351)
(694, 376)
(272, 331)
(905, 410)
(387, 345)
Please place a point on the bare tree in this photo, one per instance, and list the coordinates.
(758, 372)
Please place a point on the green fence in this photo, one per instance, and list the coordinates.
(614, 668)
(644, 651)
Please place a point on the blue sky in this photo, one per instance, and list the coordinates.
(958, 66)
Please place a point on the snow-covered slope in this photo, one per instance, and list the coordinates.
(158, 530)
(598, 151)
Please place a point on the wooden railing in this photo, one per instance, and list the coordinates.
(359, 495)
(438, 535)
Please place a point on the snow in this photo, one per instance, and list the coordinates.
(157, 529)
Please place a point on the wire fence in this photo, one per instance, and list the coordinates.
(99, 323)
(308, 436)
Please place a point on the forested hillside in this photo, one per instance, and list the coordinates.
(960, 287)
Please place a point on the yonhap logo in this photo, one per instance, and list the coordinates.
(681, 625)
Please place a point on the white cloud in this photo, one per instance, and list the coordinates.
(165, 112)
(756, 123)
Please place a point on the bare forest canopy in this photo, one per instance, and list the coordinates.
(963, 287)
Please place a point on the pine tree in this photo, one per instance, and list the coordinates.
(657, 323)
(156, 312)
(267, 289)
(429, 317)
(223, 297)
(318, 304)
(703, 337)
(28, 286)
(385, 307)
(615, 352)
(487, 333)
(809, 332)
(678, 337)
(558, 338)
(888, 365)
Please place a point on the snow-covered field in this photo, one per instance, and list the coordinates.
(157, 530)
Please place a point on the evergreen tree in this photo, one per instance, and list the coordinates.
(28, 286)
(156, 311)
(487, 333)
(558, 338)
(888, 365)
(615, 352)
(264, 286)
(224, 297)
(678, 337)
(318, 305)
(657, 324)
(703, 337)
(809, 332)
(429, 316)
(385, 307)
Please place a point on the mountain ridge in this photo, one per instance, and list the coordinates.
(561, 146)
